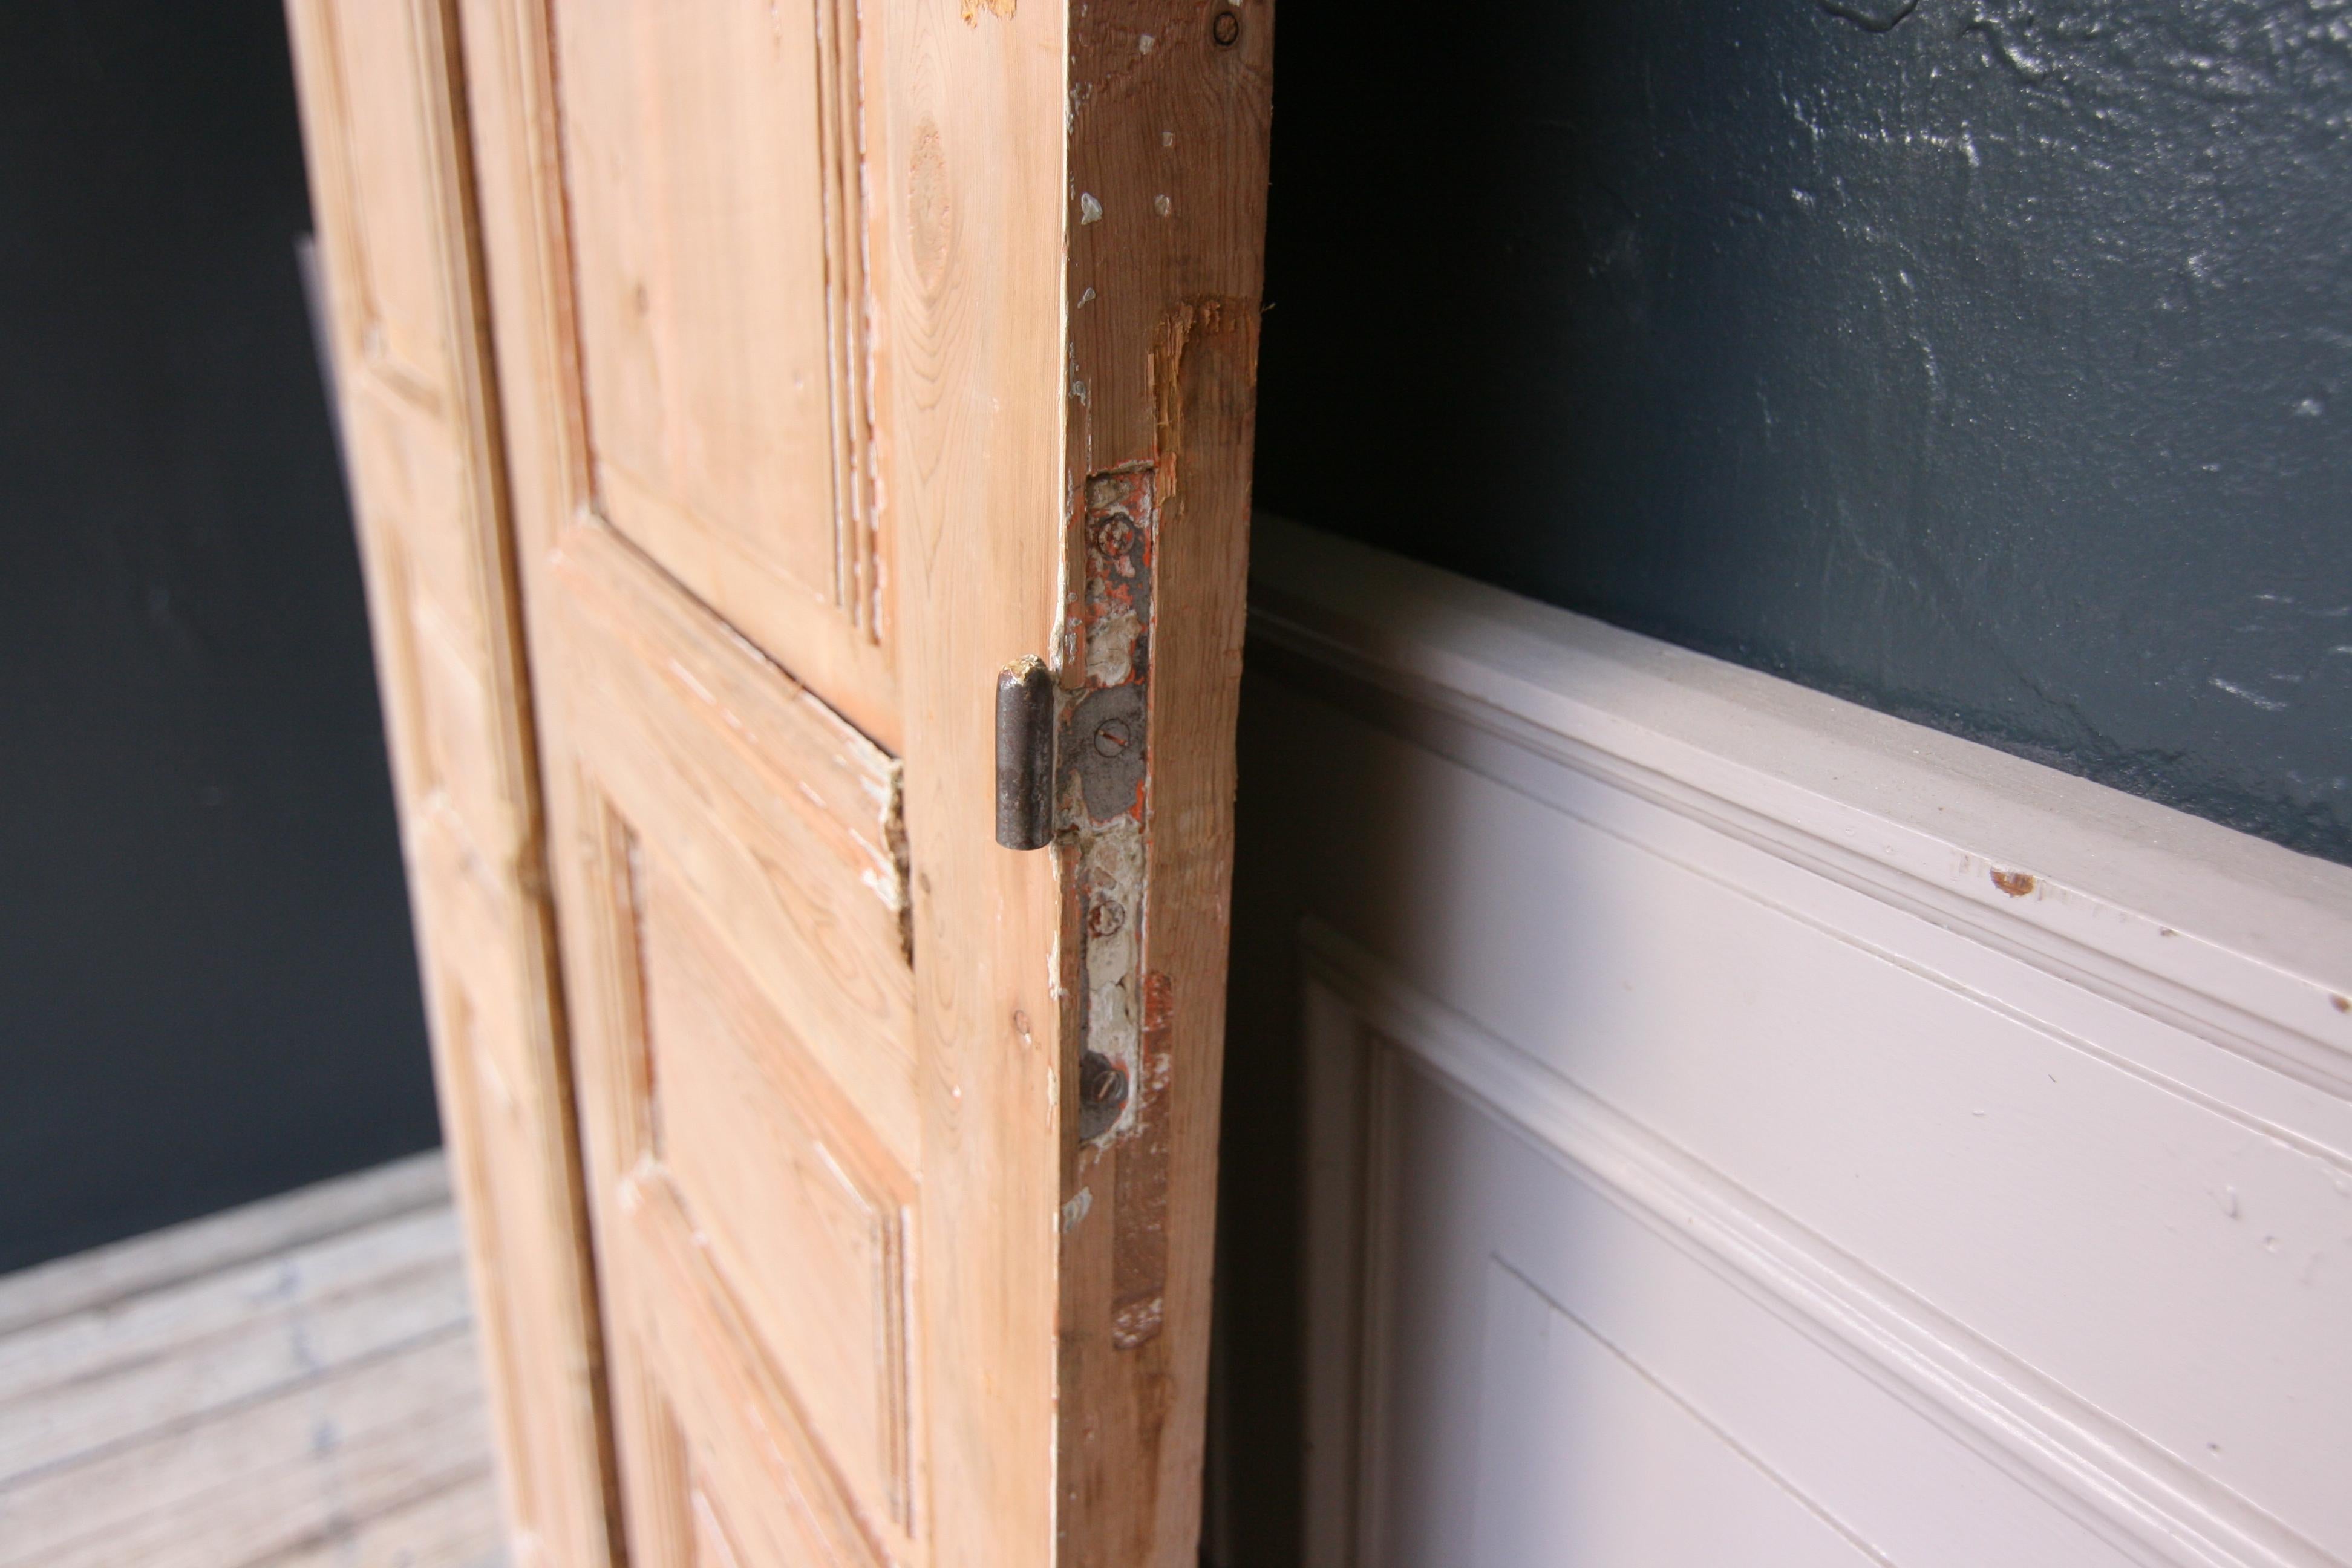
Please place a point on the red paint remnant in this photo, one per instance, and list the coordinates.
(1160, 1000)
(2016, 884)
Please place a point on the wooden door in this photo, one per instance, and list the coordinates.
(387, 159)
(848, 354)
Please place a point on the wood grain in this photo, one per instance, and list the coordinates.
(100, 1280)
(732, 884)
(390, 166)
(1167, 161)
(294, 1383)
(964, 116)
(720, 341)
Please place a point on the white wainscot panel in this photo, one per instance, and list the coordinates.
(1688, 1160)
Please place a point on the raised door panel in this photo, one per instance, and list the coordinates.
(377, 65)
(719, 1449)
(778, 819)
(804, 1216)
(747, 1073)
(414, 493)
(709, 160)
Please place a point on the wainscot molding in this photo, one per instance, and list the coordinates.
(2198, 977)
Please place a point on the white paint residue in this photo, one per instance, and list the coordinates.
(2267, 704)
(1110, 649)
(1161, 206)
(1111, 874)
(832, 1168)
(1143, 44)
(1089, 209)
(1076, 1209)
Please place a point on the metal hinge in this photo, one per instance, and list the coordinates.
(1024, 753)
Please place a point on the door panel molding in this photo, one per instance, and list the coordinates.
(719, 349)
(1968, 1177)
(2240, 941)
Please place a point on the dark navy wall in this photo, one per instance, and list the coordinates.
(1989, 362)
(206, 989)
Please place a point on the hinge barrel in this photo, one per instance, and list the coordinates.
(1025, 754)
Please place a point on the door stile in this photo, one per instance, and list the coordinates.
(964, 112)
(389, 167)
(1167, 154)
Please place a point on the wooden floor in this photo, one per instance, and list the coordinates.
(291, 1383)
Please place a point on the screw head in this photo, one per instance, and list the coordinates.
(1112, 736)
(1113, 535)
(1102, 1095)
(1226, 29)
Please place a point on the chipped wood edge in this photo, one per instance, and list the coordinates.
(1167, 154)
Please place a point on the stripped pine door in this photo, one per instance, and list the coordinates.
(387, 164)
(848, 354)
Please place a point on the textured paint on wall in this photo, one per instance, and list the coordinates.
(1987, 362)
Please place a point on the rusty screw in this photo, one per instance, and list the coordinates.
(1112, 737)
(1112, 536)
(1226, 29)
(1102, 1095)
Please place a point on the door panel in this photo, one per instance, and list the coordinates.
(388, 181)
(781, 819)
(718, 1435)
(717, 285)
(799, 445)
(747, 1055)
(818, 1266)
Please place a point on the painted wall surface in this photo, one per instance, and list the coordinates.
(1986, 361)
(206, 987)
